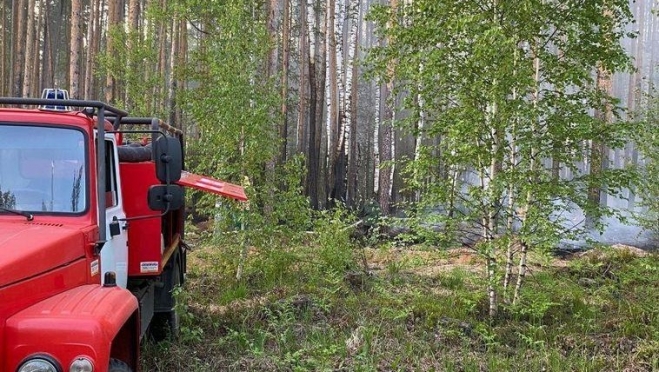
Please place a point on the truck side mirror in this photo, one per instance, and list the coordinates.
(169, 159)
(165, 197)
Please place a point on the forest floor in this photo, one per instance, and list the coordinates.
(314, 306)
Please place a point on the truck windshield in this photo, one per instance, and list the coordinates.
(42, 169)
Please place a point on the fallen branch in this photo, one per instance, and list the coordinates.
(353, 225)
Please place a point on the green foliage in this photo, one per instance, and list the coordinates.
(229, 109)
(132, 63)
(7, 199)
(234, 110)
(231, 103)
(311, 321)
(190, 331)
(504, 86)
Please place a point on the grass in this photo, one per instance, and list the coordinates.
(310, 307)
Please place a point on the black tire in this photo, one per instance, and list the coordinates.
(167, 324)
(117, 365)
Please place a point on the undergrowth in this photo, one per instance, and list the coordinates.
(320, 305)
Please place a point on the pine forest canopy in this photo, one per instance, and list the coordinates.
(494, 112)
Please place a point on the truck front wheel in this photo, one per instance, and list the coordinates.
(117, 365)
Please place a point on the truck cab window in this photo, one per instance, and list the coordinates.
(43, 169)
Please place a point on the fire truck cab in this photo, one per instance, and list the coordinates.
(91, 233)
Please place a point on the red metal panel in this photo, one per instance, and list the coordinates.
(20, 295)
(81, 321)
(32, 248)
(144, 235)
(212, 185)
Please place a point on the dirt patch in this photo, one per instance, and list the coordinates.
(424, 262)
(618, 248)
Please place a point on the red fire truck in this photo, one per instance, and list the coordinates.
(91, 233)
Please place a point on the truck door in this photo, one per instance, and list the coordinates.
(114, 255)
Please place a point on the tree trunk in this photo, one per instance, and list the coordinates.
(271, 71)
(313, 159)
(533, 165)
(316, 73)
(133, 34)
(598, 151)
(112, 21)
(160, 96)
(351, 104)
(379, 109)
(420, 100)
(172, 91)
(29, 51)
(303, 105)
(4, 53)
(386, 155)
(283, 128)
(76, 46)
(512, 197)
(46, 47)
(18, 57)
(133, 14)
(386, 141)
(181, 61)
(92, 41)
(332, 99)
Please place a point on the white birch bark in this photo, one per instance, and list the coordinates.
(376, 140)
(510, 253)
(418, 142)
(521, 270)
(339, 24)
(353, 16)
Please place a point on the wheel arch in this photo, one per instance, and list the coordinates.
(126, 344)
(89, 320)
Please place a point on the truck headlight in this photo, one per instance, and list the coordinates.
(81, 364)
(40, 364)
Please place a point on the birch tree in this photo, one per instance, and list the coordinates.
(332, 97)
(502, 100)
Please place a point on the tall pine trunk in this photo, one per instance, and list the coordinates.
(76, 46)
(283, 127)
(316, 73)
(303, 92)
(351, 103)
(92, 45)
(30, 54)
(3, 48)
(18, 56)
(112, 22)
